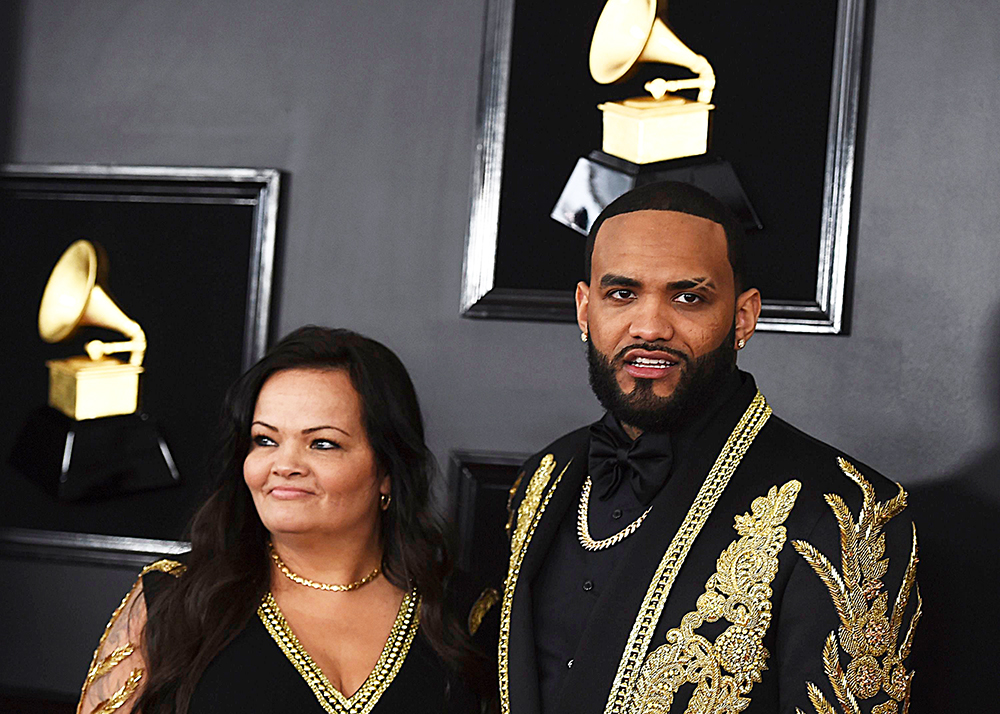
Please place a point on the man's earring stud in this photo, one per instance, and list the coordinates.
(583, 337)
(741, 344)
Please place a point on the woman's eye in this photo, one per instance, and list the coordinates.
(325, 444)
(261, 440)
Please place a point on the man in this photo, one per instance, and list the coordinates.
(691, 551)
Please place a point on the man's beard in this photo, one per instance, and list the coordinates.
(642, 408)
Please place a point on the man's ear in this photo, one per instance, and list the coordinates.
(747, 313)
(582, 301)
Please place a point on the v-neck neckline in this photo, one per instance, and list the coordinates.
(330, 698)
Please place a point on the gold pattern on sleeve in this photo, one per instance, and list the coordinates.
(101, 667)
(723, 671)
(487, 599)
(389, 662)
(510, 503)
(868, 633)
(120, 697)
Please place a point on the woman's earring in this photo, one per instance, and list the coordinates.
(583, 337)
(741, 344)
(384, 500)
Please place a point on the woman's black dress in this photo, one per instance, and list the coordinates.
(265, 669)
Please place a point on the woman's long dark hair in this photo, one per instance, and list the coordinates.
(228, 567)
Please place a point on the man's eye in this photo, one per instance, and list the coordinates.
(621, 294)
(688, 298)
(261, 440)
(324, 444)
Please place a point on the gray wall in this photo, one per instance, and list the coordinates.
(371, 108)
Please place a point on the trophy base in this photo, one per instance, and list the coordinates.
(93, 458)
(600, 178)
(645, 131)
(84, 388)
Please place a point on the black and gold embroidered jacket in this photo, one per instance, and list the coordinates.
(773, 574)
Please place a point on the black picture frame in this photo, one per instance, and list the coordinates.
(794, 155)
(192, 259)
(479, 484)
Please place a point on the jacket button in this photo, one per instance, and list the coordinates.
(588, 585)
(616, 514)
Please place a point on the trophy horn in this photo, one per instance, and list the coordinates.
(630, 33)
(74, 298)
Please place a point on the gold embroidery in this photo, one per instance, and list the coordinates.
(532, 497)
(362, 701)
(711, 490)
(510, 503)
(119, 698)
(866, 633)
(487, 599)
(101, 667)
(525, 530)
(740, 592)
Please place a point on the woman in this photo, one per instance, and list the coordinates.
(316, 577)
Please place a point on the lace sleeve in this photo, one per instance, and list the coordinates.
(117, 667)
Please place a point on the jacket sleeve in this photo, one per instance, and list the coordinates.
(851, 607)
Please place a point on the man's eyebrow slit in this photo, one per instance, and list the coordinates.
(692, 283)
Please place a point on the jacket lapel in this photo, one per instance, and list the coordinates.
(560, 495)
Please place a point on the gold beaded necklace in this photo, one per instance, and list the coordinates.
(312, 583)
(583, 527)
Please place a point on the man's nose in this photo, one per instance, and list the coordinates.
(651, 321)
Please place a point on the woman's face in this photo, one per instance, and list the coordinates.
(311, 469)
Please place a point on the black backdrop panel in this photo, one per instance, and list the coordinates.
(773, 64)
(181, 255)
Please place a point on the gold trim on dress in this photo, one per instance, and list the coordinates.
(723, 671)
(529, 513)
(867, 633)
(711, 490)
(102, 667)
(333, 701)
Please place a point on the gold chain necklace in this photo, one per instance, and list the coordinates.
(583, 529)
(319, 586)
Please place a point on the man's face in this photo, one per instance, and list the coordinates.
(661, 308)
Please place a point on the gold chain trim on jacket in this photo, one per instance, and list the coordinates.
(528, 515)
(483, 604)
(102, 667)
(583, 527)
(711, 490)
(362, 701)
(866, 633)
(739, 591)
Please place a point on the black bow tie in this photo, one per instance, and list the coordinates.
(615, 458)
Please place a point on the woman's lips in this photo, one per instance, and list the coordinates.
(288, 493)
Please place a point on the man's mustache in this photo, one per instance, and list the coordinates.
(652, 347)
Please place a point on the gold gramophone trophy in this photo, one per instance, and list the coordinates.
(662, 135)
(662, 125)
(91, 440)
(92, 386)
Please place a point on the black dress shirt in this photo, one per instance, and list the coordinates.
(572, 578)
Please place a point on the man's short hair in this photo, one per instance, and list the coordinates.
(683, 198)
